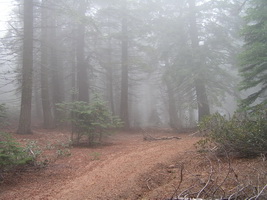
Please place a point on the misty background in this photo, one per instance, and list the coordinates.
(157, 63)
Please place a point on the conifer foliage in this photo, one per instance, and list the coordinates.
(253, 59)
(11, 154)
(90, 121)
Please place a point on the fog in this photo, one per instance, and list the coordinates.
(155, 63)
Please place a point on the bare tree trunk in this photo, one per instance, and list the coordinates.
(124, 108)
(202, 99)
(47, 112)
(192, 119)
(37, 109)
(110, 78)
(173, 115)
(56, 72)
(73, 70)
(82, 73)
(27, 70)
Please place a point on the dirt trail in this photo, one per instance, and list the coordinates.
(109, 172)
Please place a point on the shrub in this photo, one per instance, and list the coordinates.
(245, 134)
(89, 120)
(11, 154)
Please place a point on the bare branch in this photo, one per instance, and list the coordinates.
(207, 183)
(180, 182)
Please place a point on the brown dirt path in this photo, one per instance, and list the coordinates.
(111, 172)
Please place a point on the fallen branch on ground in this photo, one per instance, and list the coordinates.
(150, 138)
(215, 186)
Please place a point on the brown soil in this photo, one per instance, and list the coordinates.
(125, 167)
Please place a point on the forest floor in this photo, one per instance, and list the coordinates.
(127, 167)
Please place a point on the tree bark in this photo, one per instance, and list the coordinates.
(201, 94)
(202, 99)
(110, 78)
(82, 73)
(27, 70)
(124, 108)
(47, 112)
(37, 109)
(173, 115)
(73, 69)
(56, 71)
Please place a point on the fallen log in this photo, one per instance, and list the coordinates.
(150, 138)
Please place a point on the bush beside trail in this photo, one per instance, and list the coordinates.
(244, 135)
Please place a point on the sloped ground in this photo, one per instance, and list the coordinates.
(126, 167)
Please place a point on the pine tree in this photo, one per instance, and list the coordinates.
(253, 59)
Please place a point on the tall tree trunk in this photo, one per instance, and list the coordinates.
(110, 78)
(124, 108)
(47, 112)
(82, 73)
(73, 70)
(37, 114)
(202, 99)
(56, 72)
(27, 70)
(173, 115)
(191, 117)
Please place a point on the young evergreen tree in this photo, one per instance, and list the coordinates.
(253, 59)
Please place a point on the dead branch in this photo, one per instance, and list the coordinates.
(184, 192)
(209, 180)
(180, 182)
(212, 189)
(147, 183)
(259, 194)
(236, 193)
(33, 154)
(227, 175)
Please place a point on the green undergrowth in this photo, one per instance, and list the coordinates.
(90, 121)
(244, 134)
(12, 154)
